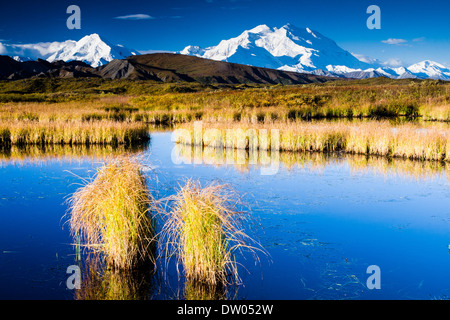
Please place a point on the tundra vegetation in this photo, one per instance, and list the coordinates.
(381, 121)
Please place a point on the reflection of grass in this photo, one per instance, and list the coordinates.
(35, 153)
(243, 160)
(112, 214)
(100, 282)
(195, 290)
(205, 229)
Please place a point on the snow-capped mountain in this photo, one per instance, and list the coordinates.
(430, 69)
(305, 50)
(90, 49)
(289, 48)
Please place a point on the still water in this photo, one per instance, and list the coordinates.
(322, 219)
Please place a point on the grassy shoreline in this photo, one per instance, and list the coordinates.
(20, 133)
(378, 138)
(116, 112)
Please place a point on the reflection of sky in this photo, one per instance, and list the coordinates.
(398, 223)
(322, 228)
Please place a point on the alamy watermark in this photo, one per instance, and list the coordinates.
(374, 20)
(374, 280)
(231, 146)
(74, 280)
(74, 20)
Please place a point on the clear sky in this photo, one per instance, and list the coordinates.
(411, 31)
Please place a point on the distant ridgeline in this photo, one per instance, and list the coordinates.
(158, 67)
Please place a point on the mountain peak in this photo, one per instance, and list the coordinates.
(259, 29)
(262, 46)
(429, 63)
(91, 49)
(306, 50)
(94, 37)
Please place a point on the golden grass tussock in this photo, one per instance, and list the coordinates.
(379, 138)
(205, 230)
(112, 214)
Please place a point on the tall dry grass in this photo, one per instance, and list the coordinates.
(429, 100)
(379, 138)
(72, 133)
(205, 230)
(112, 214)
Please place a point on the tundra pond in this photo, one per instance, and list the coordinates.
(322, 219)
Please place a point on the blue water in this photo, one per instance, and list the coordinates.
(321, 228)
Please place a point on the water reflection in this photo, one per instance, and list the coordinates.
(37, 154)
(270, 162)
(102, 282)
(198, 291)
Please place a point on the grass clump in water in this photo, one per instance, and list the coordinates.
(205, 230)
(112, 214)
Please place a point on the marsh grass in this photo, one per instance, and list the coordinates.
(379, 138)
(71, 133)
(205, 230)
(112, 214)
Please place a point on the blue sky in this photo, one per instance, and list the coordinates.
(418, 30)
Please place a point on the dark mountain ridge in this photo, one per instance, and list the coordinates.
(158, 67)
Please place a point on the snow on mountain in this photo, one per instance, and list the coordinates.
(305, 50)
(430, 69)
(287, 48)
(193, 51)
(90, 49)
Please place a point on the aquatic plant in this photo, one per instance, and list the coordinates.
(112, 214)
(205, 230)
